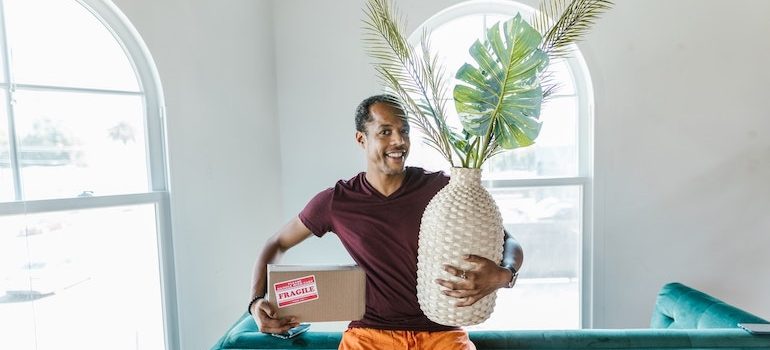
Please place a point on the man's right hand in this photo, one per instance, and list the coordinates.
(265, 316)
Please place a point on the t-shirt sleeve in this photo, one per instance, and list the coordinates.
(443, 179)
(317, 213)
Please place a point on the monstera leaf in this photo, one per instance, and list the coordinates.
(499, 99)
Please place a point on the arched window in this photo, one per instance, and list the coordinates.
(84, 214)
(543, 191)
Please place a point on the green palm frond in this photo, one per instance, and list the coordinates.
(414, 77)
(563, 23)
(549, 84)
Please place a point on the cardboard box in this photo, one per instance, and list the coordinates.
(317, 293)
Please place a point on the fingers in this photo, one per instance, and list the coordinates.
(479, 262)
(466, 290)
(278, 325)
(447, 284)
(462, 293)
(467, 301)
(265, 307)
(467, 279)
(474, 284)
(475, 259)
(463, 274)
(269, 323)
(461, 289)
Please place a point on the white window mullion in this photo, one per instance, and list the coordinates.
(591, 252)
(14, 159)
(167, 275)
(535, 182)
(156, 137)
(12, 153)
(64, 204)
(587, 259)
(73, 89)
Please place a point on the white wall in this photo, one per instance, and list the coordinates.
(682, 145)
(216, 63)
(682, 152)
(322, 74)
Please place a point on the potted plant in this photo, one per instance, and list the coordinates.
(498, 99)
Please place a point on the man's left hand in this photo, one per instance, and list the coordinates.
(484, 278)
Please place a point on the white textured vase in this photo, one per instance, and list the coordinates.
(461, 219)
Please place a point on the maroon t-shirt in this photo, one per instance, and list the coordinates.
(380, 233)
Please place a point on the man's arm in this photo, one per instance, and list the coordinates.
(486, 277)
(288, 236)
(513, 254)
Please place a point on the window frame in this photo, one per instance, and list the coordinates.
(150, 89)
(584, 98)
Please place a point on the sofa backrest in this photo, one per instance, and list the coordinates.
(679, 306)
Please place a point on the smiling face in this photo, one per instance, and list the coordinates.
(386, 140)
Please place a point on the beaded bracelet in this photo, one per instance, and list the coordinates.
(252, 303)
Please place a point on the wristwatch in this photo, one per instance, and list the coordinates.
(514, 275)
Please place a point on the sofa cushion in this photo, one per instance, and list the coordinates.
(244, 335)
(679, 306)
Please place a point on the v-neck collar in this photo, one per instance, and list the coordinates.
(395, 193)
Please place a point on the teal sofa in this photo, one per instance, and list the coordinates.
(684, 318)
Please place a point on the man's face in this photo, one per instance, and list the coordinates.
(386, 140)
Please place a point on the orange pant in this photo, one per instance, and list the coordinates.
(375, 339)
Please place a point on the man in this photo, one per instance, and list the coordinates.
(376, 215)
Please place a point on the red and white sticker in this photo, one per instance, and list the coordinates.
(296, 291)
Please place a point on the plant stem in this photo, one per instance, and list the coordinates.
(471, 152)
(488, 137)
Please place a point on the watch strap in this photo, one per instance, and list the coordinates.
(514, 276)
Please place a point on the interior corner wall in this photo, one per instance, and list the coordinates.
(215, 60)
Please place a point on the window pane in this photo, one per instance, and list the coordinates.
(65, 273)
(60, 43)
(559, 73)
(16, 309)
(451, 42)
(490, 20)
(555, 152)
(91, 144)
(546, 221)
(426, 157)
(6, 174)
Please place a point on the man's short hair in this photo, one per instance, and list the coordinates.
(363, 115)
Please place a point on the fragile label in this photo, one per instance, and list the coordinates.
(296, 291)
